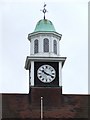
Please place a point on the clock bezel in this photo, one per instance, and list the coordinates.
(46, 77)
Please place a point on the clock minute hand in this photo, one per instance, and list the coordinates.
(47, 73)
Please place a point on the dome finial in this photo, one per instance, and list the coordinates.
(44, 10)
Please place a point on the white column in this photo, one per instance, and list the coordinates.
(58, 47)
(32, 47)
(32, 73)
(41, 44)
(60, 73)
(41, 108)
(51, 45)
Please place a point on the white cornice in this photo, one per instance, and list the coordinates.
(44, 33)
(43, 59)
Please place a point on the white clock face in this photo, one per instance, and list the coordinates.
(46, 73)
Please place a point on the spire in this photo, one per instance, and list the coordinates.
(44, 10)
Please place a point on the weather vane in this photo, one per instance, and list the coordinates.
(44, 10)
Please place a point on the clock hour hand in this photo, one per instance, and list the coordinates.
(46, 73)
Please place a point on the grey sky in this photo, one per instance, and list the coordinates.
(19, 18)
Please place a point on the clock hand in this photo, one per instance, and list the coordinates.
(46, 73)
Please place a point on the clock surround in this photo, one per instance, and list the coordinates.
(54, 82)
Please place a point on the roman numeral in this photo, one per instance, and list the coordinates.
(39, 73)
(53, 73)
(43, 79)
(42, 67)
(46, 66)
(40, 76)
(49, 79)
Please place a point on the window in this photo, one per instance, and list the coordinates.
(46, 45)
(36, 46)
(55, 46)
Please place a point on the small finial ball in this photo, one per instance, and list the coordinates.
(41, 97)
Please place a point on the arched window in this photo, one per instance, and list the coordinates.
(36, 46)
(46, 45)
(55, 46)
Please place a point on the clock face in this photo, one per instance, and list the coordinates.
(46, 73)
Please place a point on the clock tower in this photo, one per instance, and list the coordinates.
(44, 63)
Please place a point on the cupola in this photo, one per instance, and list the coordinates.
(44, 41)
(45, 63)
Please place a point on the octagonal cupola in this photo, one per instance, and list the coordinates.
(44, 40)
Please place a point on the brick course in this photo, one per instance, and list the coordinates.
(56, 104)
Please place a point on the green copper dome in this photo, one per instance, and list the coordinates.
(45, 26)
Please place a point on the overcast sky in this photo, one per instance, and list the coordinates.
(18, 18)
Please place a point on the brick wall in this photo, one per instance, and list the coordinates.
(56, 105)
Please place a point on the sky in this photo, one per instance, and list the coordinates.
(18, 18)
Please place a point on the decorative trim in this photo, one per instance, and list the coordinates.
(43, 59)
(34, 34)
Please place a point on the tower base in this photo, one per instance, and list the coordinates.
(52, 97)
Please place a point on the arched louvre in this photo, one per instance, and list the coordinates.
(46, 45)
(36, 46)
(55, 46)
